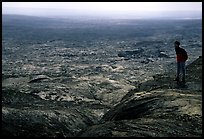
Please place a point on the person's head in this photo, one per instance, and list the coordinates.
(176, 43)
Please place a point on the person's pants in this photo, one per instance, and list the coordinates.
(181, 68)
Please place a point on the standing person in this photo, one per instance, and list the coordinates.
(181, 57)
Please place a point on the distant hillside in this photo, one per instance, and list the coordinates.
(34, 28)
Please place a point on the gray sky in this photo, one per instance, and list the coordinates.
(99, 7)
(138, 6)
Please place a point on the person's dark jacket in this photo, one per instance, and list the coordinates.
(181, 54)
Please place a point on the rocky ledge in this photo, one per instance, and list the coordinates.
(156, 108)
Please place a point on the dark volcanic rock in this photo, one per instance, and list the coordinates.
(42, 123)
(128, 54)
(26, 115)
(61, 76)
(156, 108)
(160, 111)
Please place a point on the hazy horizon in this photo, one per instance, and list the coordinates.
(106, 9)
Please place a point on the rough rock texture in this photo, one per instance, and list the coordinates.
(60, 76)
(29, 116)
(157, 108)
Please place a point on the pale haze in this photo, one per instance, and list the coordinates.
(106, 9)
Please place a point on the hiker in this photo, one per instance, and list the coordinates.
(181, 57)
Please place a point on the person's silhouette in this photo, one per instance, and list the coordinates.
(181, 57)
